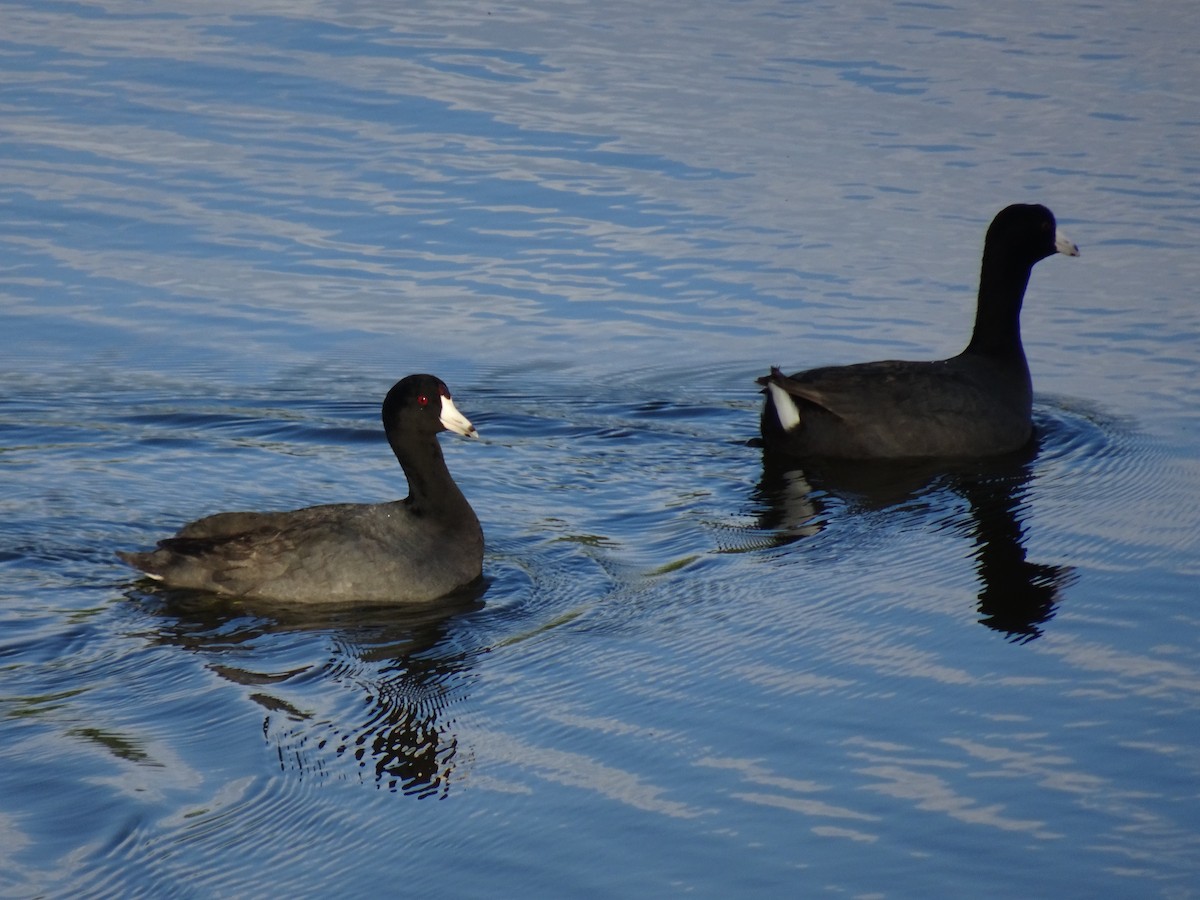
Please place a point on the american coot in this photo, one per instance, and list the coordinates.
(407, 551)
(975, 404)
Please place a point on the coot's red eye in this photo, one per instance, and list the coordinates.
(422, 400)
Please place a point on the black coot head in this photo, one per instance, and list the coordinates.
(1027, 232)
(422, 403)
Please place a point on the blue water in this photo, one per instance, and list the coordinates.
(228, 229)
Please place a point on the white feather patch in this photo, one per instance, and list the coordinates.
(785, 407)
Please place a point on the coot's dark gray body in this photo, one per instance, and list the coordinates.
(408, 551)
(978, 403)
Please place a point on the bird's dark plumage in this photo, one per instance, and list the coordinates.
(977, 403)
(412, 550)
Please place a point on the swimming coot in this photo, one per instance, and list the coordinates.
(975, 404)
(412, 550)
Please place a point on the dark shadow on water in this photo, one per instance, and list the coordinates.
(1016, 596)
(392, 671)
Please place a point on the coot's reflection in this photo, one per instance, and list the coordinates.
(399, 664)
(1016, 596)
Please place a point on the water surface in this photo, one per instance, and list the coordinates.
(227, 232)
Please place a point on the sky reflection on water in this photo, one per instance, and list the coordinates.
(229, 230)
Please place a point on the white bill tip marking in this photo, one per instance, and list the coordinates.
(455, 421)
(1064, 244)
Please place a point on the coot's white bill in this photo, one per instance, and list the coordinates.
(456, 421)
(1064, 244)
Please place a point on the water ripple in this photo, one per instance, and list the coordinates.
(229, 231)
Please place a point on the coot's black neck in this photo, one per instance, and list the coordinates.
(1002, 283)
(431, 490)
